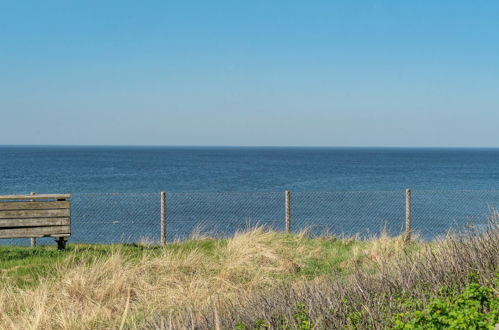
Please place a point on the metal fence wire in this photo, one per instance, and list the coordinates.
(115, 217)
(135, 218)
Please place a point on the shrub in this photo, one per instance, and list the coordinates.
(477, 307)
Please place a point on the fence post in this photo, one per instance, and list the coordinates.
(163, 218)
(408, 214)
(287, 210)
(33, 239)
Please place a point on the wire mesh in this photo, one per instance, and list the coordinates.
(222, 214)
(434, 213)
(115, 218)
(363, 213)
(134, 218)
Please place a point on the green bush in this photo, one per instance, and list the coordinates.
(477, 307)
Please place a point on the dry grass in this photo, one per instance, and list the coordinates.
(366, 299)
(102, 292)
(253, 275)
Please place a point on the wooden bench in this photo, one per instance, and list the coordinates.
(33, 216)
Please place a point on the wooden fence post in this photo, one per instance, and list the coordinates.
(33, 240)
(163, 218)
(408, 214)
(287, 210)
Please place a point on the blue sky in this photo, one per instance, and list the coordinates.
(318, 73)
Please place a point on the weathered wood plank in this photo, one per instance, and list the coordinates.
(35, 232)
(24, 214)
(34, 222)
(9, 206)
(33, 197)
(39, 236)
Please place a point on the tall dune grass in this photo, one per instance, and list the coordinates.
(255, 275)
(396, 277)
(102, 292)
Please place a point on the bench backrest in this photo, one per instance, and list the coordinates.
(35, 216)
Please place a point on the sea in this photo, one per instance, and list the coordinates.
(115, 189)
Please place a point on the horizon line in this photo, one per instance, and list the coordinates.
(246, 146)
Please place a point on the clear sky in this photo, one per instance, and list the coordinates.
(318, 73)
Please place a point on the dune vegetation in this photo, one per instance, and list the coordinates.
(258, 279)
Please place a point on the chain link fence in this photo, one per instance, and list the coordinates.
(135, 218)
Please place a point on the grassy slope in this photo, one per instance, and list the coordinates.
(25, 266)
(215, 283)
(415, 283)
(98, 286)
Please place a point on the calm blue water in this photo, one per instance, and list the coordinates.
(336, 190)
(151, 169)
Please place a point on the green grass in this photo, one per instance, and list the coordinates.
(92, 284)
(332, 255)
(25, 266)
